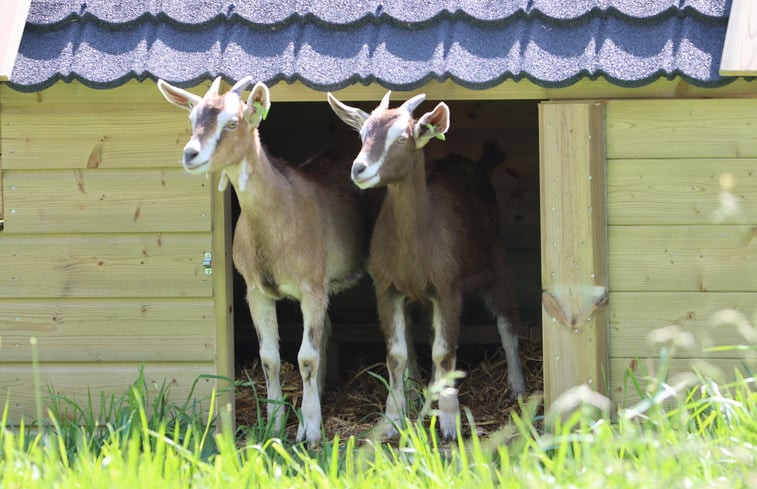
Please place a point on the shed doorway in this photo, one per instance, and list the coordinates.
(297, 130)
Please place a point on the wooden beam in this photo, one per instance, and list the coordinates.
(521, 90)
(740, 46)
(76, 96)
(573, 246)
(223, 296)
(11, 29)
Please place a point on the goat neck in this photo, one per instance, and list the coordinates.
(408, 201)
(254, 176)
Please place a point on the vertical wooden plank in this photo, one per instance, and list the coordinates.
(223, 294)
(740, 46)
(573, 246)
(12, 23)
(3, 88)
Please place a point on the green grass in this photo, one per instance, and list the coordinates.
(699, 434)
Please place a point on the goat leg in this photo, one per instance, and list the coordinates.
(263, 312)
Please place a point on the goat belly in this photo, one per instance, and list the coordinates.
(267, 283)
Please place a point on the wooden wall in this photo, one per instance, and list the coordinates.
(682, 212)
(101, 257)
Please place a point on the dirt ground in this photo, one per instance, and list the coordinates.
(353, 403)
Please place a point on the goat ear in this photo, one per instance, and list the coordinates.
(258, 105)
(177, 96)
(352, 116)
(431, 125)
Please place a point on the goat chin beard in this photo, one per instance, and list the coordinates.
(364, 183)
(197, 169)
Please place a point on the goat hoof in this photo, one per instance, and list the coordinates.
(448, 427)
(384, 430)
(515, 395)
(313, 437)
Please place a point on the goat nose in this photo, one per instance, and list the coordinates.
(357, 169)
(190, 154)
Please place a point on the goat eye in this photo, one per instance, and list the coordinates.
(402, 139)
(232, 124)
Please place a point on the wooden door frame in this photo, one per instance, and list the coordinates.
(572, 168)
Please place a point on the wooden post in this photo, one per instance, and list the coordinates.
(573, 247)
(223, 295)
(12, 24)
(740, 46)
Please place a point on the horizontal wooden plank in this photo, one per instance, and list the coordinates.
(682, 258)
(685, 191)
(92, 330)
(707, 128)
(641, 323)
(77, 381)
(624, 394)
(95, 265)
(581, 90)
(76, 127)
(106, 201)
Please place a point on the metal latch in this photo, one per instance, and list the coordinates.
(207, 262)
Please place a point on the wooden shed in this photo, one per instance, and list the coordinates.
(628, 193)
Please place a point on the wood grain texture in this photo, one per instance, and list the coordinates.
(223, 292)
(581, 90)
(108, 330)
(12, 22)
(80, 382)
(642, 323)
(680, 373)
(70, 126)
(707, 128)
(740, 46)
(682, 191)
(683, 258)
(92, 265)
(573, 246)
(106, 201)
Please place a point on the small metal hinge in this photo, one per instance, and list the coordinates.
(207, 262)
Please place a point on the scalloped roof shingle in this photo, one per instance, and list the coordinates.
(328, 45)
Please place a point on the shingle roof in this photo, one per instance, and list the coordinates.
(331, 44)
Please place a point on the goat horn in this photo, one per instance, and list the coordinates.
(412, 103)
(214, 87)
(241, 85)
(385, 100)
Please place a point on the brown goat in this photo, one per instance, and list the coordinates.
(435, 239)
(300, 233)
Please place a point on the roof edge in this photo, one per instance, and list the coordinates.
(382, 18)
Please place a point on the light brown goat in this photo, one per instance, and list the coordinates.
(435, 239)
(300, 234)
